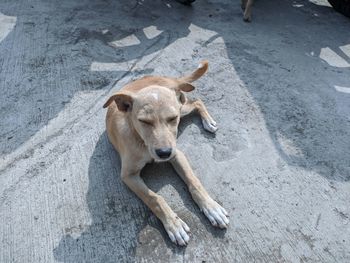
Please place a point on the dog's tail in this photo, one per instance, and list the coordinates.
(202, 68)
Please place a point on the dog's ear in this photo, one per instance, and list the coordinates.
(182, 98)
(123, 101)
(186, 87)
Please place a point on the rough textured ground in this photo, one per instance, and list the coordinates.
(280, 164)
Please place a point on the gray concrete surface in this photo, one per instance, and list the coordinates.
(279, 89)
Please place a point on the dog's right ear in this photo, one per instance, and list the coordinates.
(123, 101)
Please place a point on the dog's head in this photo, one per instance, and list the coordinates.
(154, 112)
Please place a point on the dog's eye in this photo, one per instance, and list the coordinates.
(172, 119)
(146, 122)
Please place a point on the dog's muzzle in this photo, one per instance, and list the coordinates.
(164, 153)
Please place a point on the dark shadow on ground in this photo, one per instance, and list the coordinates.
(300, 105)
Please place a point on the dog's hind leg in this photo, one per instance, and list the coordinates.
(174, 226)
(213, 211)
(197, 105)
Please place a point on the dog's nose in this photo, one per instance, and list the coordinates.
(164, 153)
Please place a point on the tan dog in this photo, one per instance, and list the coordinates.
(247, 8)
(142, 122)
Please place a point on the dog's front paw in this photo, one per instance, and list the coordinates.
(216, 214)
(177, 230)
(210, 125)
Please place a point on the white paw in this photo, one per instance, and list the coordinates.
(178, 231)
(216, 214)
(210, 125)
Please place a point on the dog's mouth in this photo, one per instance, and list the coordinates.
(158, 160)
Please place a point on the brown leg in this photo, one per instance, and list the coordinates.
(243, 4)
(174, 226)
(215, 213)
(197, 105)
(247, 17)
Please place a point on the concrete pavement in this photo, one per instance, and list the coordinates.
(279, 89)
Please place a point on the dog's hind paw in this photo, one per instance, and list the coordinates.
(216, 214)
(178, 231)
(210, 125)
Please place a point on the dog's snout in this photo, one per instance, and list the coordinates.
(164, 153)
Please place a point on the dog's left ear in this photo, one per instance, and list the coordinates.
(186, 87)
(181, 88)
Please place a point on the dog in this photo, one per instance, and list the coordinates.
(247, 9)
(142, 122)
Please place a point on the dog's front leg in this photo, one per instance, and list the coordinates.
(215, 213)
(174, 226)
